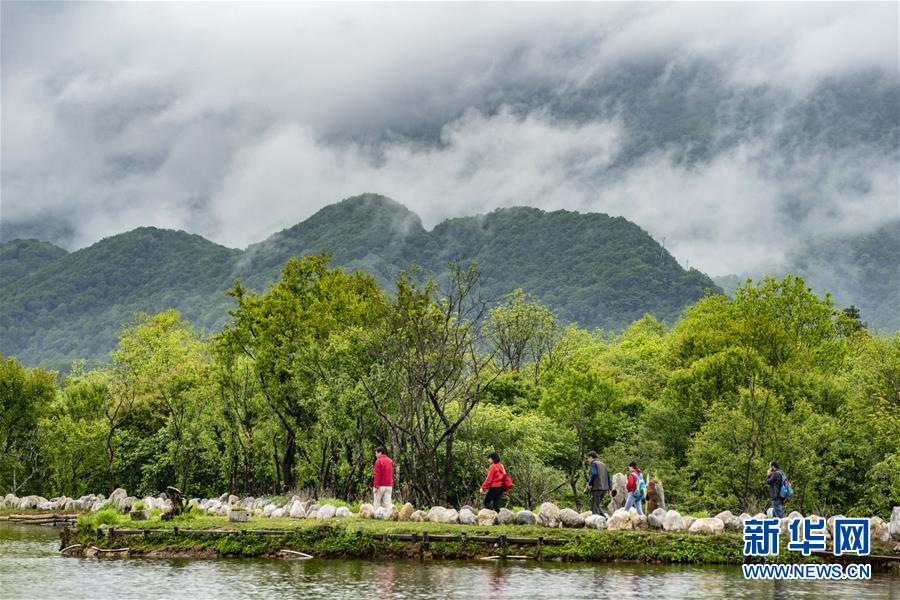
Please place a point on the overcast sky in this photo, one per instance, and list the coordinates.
(731, 130)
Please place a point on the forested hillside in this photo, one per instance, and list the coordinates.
(591, 269)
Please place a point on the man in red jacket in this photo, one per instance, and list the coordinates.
(384, 479)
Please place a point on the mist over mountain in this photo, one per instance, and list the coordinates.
(592, 269)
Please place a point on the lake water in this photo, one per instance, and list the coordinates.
(31, 567)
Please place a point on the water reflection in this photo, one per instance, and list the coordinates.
(30, 567)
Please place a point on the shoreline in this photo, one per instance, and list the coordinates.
(375, 542)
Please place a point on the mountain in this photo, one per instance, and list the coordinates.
(21, 257)
(592, 269)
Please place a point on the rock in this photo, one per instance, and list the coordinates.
(233, 500)
(223, 499)
(829, 523)
(224, 510)
(313, 514)
(570, 518)
(297, 511)
(10, 501)
(549, 515)
(126, 504)
(525, 517)
(417, 517)
(506, 516)
(879, 531)
(731, 522)
(618, 492)
(770, 513)
(593, 521)
(45, 505)
(656, 497)
(794, 515)
(118, 495)
(619, 521)
(760, 516)
(688, 521)
(586, 514)
(97, 505)
(468, 507)
(366, 511)
(655, 519)
(450, 516)
(326, 512)
(467, 517)
(707, 526)
(381, 514)
(637, 521)
(276, 514)
(314, 506)
(31, 502)
(486, 516)
(238, 516)
(672, 521)
(406, 512)
(343, 513)
(435, 513)
(268, 509)
(895, 523)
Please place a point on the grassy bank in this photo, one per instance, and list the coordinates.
(354, 538)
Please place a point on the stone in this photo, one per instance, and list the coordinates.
(570, 518)
(637, 521)
(586, 514)
(879, 531)
(794, 515)
(268, 509)
(406, 512)
(238, 516)
(30, 502)
(707, 526)
(655, 519)
(233, 500)
(688, 521)
(314, 506)
(770, 512)
(593, 521)
(223, 499)
(619, 521)
(343, 513)
(672, 521)
(327, 511)
(829, 523)
(435, 513)
(506, 516)
(126, 504)
(549, 515)
(417, 517)
(486, 516)
(656, 497)
(276, 514)
(618, 493)
(525, 517)
(313, 514)
(895, 523)
(450, 516)
(10, 501)
(381, 514)
(467, 517)
(139, 515)
(45, 505)
(224, 509)
(117, 496)
(366, 511)
(760, 516)
(731, 522)
(297, 511)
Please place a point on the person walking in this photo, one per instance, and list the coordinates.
(775, 479)
(598, 484)
(383, 485)
(494, 483)
(636, 487)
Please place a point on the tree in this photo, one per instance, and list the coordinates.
(25, 394)
(427, 373)
(523, 332)
(284, 332)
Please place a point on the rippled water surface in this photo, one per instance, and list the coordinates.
(31, 567)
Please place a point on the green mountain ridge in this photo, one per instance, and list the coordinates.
(593, 269)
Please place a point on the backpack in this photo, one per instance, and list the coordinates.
(640, 487)
(507, 483)
(787, 490)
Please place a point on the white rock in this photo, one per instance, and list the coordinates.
(505, 516)
(595, 522)
(297, 511)
(549, 515)
(435, 513)
(276, 514)
(417, 516)
(450, 516)
(895, 523)
(731, 522)
(655, 519)
(707, 526)
(570, 518)
(525, 517)
(672, 521)
(879, 531)
(343, 513)
(366, 511)
(268, 509)
(467, 517)
(688, 521)
(619, 521)
(327, 511)
(486, 517)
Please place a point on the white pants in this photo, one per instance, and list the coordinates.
(383, 495)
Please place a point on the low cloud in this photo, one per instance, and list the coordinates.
(237, 120)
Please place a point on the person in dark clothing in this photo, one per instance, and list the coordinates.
(493, 483)
(775, 479)
(599, 483)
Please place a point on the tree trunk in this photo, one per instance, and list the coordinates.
(111, 476)
(288, 460)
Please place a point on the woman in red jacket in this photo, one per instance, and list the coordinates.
(493, 483)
